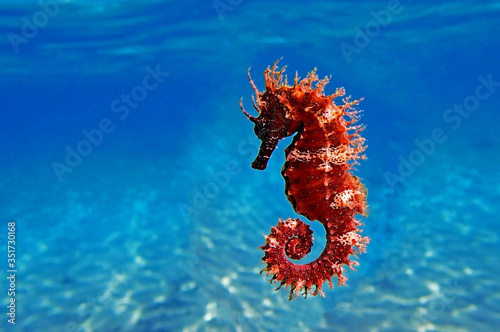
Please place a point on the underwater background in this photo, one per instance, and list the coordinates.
(125, 163)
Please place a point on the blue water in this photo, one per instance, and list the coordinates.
(125, 163)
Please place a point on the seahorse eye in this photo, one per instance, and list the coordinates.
(262, 131)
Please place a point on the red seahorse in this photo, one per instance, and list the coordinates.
(318, 179)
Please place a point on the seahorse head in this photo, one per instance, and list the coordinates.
(271, 125)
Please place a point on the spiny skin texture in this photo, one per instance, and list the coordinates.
(318, 179)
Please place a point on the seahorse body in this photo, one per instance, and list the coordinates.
(318, 179)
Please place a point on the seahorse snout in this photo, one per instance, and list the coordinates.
(266, 149)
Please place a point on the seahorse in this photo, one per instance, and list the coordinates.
(318, 178)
